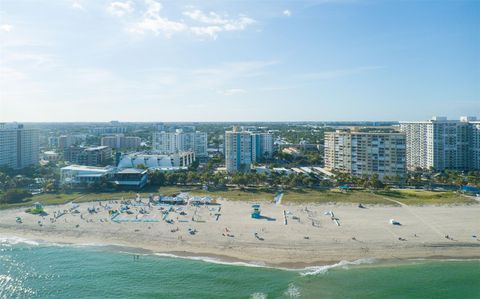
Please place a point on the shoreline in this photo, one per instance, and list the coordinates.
(310, 239)
(233, 261)
(457, 253)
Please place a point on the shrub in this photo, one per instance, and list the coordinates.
(15, 196)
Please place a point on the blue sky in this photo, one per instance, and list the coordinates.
(146, 60)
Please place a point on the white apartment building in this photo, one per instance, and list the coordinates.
(121, 142)
(366, 153)
(161, 162)
(441, 144)
(108, 130)
(180, 141)
(19, 146)
(243, 148)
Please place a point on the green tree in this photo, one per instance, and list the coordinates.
(15, 196)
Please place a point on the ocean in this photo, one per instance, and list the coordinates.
(40, 270)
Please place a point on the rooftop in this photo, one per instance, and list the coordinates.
(96, 148)
(91, 168)
(131, 171)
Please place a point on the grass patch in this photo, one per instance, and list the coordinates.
(245, 195)
(409, 197)
(327, 196)
(424, 197)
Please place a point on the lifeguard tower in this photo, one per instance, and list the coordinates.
(37, 209)
(256, 211)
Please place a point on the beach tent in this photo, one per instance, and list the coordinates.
(171, 200)
(200, 200)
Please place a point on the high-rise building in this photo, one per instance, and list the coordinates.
(65, 141)
(441, 144)
(109, 129)
(53, 141)
(239, 150)
(366, 153)
(180, 141)
(243, 148)
(18, 146)
(121, 142)
(263, 145)
(474, 150)
(90, 156)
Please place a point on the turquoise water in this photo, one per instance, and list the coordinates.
(29, 270)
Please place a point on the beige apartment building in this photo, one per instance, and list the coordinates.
(121, 142)
(366, 153)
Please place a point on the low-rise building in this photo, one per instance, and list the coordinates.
(292, 151)
(82, 175)
(130, 177)
(153, 160)
(85, 176)
(50, 156)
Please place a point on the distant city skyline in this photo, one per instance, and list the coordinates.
(188, 61)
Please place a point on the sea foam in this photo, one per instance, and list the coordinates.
(13, 240)
(315, 270)
(214, 260)
(258, 296)
(293, 291)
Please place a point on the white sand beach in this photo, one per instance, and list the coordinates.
(309, 237)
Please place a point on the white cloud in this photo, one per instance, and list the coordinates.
(210, 18)
(119, 9)
(6, 27)
(232, 92)
(216, 23)
(206, 30)
(152, 21)
(198, 23)
(77, 5)
(287, 13)
(154, 7)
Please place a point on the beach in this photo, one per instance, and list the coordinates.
(286, 235)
